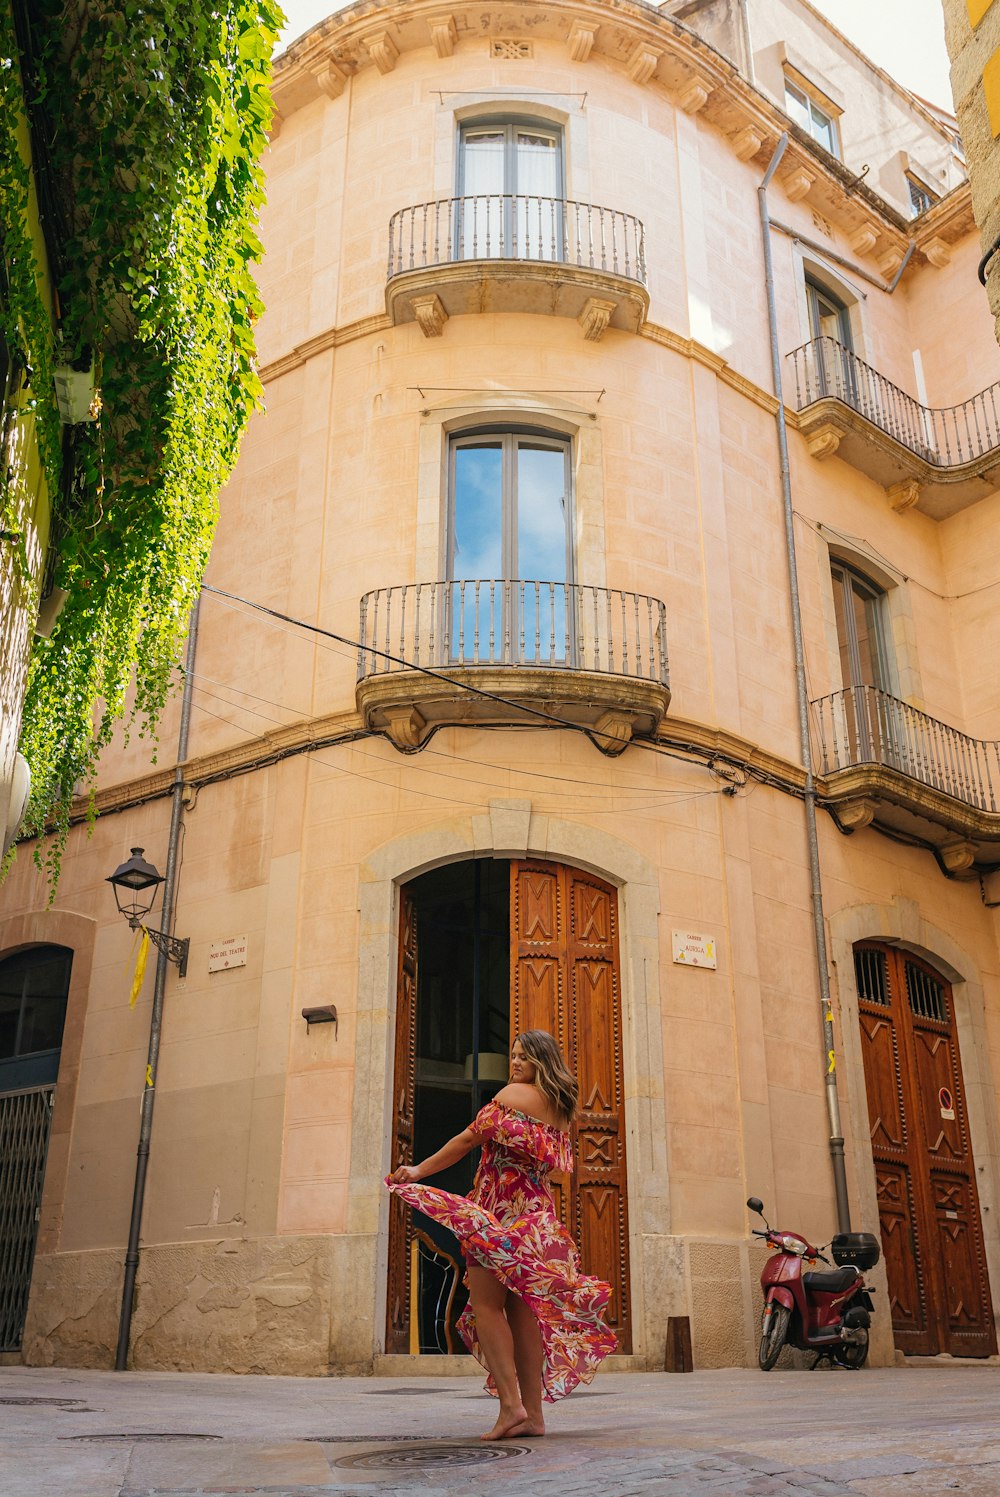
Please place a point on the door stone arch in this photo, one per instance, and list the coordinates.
(505, 829)
(903, 924)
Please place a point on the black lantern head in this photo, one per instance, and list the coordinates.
(135, 884)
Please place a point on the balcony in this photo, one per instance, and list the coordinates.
(505, 252)
(883, 760)
(512, 653)
(939, 460)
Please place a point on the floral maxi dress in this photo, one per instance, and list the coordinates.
(508, 1225)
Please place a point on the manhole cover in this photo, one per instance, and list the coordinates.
(59, 1403)
(431, 1455)
(140, 1436)
(355, 1439)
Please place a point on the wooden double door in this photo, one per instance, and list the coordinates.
(561, 971)
(931, 1229)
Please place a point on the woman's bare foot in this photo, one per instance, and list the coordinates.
(507, 1421)
(533, 1425)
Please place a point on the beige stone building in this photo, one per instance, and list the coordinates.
(575, 704)
(972, 30)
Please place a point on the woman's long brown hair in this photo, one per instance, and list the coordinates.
(552, 1076)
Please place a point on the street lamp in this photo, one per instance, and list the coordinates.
(135, 883)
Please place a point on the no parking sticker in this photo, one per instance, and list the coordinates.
(947, 1103)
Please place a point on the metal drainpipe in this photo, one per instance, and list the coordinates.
(816, 886)
(156, 1018)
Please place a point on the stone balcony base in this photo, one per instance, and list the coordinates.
(409, 706)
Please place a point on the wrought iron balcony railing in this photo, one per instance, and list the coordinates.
(863, 725)
(509, 226)
(512, 623)
(945, 437)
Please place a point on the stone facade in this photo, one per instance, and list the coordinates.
(972, 31)
(265, 1236)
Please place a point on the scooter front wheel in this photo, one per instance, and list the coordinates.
(773, 1330)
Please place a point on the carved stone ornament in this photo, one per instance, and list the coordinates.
(903, 495)
(694, 95)
(747, 142)
(823, 441)
(581, 41)
(890, 262)
(856, 814)
(331, 80)
(864, 239)
(405, 726)
(797, 183)
(958, 856)
(613, 732)
(642, 63)
(595, 317)
(430, 314)
(383, 50)
(938, 253)
(444, 34)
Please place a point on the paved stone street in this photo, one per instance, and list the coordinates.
(911, 1430)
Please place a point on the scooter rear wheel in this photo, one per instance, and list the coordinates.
(773, 1330)
(852, 1354)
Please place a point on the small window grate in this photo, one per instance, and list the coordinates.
(511, 48)
(926, 995)
(872, 977)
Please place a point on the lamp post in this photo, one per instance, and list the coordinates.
(131, 883)
(136, 884)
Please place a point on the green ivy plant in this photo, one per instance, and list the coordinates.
(162, 111)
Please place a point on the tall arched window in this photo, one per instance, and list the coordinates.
(34, 987)
(862, 629)
(510, 546)
(510, 186)
(829, 316)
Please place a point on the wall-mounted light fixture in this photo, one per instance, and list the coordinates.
(135, 884)
(325, 1014)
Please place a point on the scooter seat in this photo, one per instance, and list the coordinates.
(831, 1283)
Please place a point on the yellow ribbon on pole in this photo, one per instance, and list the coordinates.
(140, 965)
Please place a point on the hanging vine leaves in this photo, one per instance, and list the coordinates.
(162, 111)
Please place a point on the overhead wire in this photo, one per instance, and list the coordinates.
(601, 788)
(686, 752)
(665, 798)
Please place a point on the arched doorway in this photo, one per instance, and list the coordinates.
(928, 1204)
(489, 947)
(34, 989)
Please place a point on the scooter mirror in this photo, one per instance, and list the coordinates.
(756, 1204)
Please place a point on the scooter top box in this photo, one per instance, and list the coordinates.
(855, 1250)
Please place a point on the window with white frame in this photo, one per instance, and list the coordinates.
(510, 555)
(816, 121)
(510, 190)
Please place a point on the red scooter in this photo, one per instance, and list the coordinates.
(828, 1313)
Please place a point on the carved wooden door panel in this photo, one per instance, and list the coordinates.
(924, 1171)
(397, 1331)
(565, 977)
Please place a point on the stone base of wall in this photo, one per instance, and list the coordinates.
(306, 1307)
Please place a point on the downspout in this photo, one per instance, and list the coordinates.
(816, 887)
(156, 1018)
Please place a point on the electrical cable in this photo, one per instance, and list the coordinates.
(452, 758)
(550, 718)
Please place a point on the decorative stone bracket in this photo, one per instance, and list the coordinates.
(595, 317)
(430, 314)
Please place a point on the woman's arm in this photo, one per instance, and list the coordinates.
(455, 1149)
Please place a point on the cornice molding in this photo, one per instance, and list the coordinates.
(651, 47)
(689, 348)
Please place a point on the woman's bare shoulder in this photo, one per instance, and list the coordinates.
(523, 1097)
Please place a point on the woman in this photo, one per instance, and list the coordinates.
(533, 1319)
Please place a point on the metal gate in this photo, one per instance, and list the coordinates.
(25, 1119)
